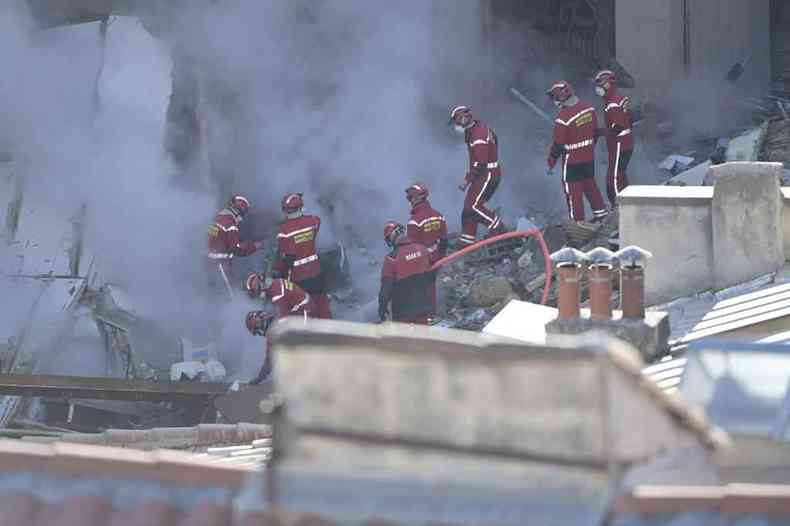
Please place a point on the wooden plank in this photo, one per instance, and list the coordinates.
(106, 388)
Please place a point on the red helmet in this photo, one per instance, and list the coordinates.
(417, 193)
(560, 91)
(461, 115)
(392, 231)
(605, 77)
(258, 322)
(240, 204)
(292, 203)
(255, 285)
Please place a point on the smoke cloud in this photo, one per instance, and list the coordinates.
(345, 101)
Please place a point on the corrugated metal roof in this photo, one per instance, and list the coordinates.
(745, 310)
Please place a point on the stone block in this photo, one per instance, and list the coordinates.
(746, 213)
(649, 335)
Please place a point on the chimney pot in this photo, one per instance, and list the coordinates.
(632, 281)
(568, 262)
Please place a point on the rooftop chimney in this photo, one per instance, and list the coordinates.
(568, 262)
(632, 280)
(599, 274)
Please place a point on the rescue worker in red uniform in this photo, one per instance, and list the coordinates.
(297, 258)
(482, 179)
(224, 242)
(287, 298)
(405, 276)
(619, 139)
(427, 227)
(574, 142)
(258, 323)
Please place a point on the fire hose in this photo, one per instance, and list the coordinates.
(533, 232)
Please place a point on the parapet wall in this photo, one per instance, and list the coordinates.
(706, 238)
(573, 401)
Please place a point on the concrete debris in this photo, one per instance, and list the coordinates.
(488, 291)
(208, 371)
(675, 163)
(580, 233)
(198, 354)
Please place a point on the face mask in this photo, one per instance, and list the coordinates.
(457, 128)
(558, 103)
(600, 91)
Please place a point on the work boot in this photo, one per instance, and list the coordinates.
(600, 219)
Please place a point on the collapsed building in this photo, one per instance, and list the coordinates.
(463, 427)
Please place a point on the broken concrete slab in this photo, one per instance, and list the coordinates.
(694, 176)
(747, 147)
(675, 163)
(748, 234)
(522, 320)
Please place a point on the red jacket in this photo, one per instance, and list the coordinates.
(617, 113)
(297, 258)
(405, 276)
(289, 299)
(483, 146)
(574, 134)
(428, 228)
(223, 238)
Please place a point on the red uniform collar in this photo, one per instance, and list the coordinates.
(419, 206)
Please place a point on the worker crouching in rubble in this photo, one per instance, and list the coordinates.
(427, 227)
(574, 141)
(287, 299)
(297, 256)
(405, 279)
(224, 242)
(482, 179)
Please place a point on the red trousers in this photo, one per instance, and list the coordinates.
(477, 195)
(322, 309)
(616, 179)
(578, 182)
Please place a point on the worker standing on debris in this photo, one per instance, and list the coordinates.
(258, 323)
(574, 142)
(405, 278)
(619, 139)
(482, 179)
(297, 257)
(427, 227)
(287, 298)
(224, 241)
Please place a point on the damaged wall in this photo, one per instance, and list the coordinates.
(699, 39)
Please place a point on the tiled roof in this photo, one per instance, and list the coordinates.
(66, 484)
(729, 499)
